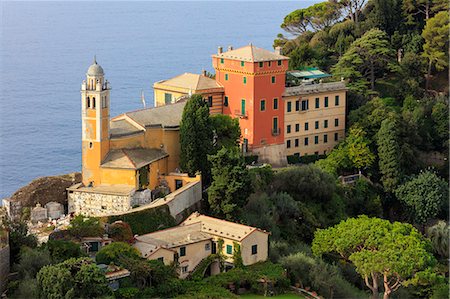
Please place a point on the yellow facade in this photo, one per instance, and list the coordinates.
(319, 128)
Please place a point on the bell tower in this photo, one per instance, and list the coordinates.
(95, 101)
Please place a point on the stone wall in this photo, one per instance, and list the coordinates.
(96, 204)
(13, 208)
(4, 267)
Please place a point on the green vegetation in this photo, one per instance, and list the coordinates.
(114, 252)
(81, 226)
(226, 131)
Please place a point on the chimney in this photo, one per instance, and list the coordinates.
(278, 50)
(219, 50)
(204, 73)
(230, 48)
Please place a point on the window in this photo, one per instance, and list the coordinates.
(316, 124)
(305, 105)
(242, 107)
(161, 259)
(254, 249)
(242, 63)
(336, 101)
(297, 105)
(326, 102)
(225, 102)
(105, 103)
(93, 103)
(167, 98)
(336, 137)
(325, 138)
(261, 64)
(226, 77)
(269, 63)
(297, 127)
(279, 62)
(178, 184)
(90, 144)
(288, 144)
(229, 249)
(182, 251)
(207, 247)
(289, 106)
(288, 129)
(306, 141)
(336, 122)
(263, 105)
(184, 269)
(296, 142)
(221, 60)
(316, 139)
(275, 104)
(317, 103)
(275, 124)
(210, 103)
(306, 126)
(273, 79)
(325, 123)
(245, 80)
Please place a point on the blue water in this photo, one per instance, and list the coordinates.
(46, 48)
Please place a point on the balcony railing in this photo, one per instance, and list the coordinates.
(240, 114)
(276, 131)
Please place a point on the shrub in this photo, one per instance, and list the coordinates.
(127, 293)
(114, 252)
(251, 159)
(62, 250)
(32, 260)
(81, 226)
(120, 231)
(147, 221)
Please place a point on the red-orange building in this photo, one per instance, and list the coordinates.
(254, 81)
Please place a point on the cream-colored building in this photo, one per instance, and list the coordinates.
(198, 237)
(172, 90)
(314, 118)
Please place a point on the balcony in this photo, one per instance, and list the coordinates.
(240, 114)
(276, 131)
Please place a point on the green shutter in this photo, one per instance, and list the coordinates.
(245, 80)
(226, 77)
(242, 63)
(229, 249)
(242, 107)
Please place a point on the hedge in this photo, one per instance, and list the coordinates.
(147, 221)
(296, 159)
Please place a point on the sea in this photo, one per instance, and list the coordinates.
(46, 48)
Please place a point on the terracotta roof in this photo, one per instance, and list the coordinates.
(174, 237)
(132, 158)
(167, 116)
(252, 54)
(219, 227)
(193, 82)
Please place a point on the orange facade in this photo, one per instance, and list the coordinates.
(253, 92)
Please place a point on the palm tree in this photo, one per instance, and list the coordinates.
(439, 235)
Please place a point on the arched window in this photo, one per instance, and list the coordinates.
(93, 103)
(88, 102)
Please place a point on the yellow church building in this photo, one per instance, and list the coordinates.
(128, 159)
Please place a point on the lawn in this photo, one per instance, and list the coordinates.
(284, 296)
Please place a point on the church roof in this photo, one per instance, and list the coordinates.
(193, 82)
(122, 127)
(95, 69)
(167, 116)
(132, 158)
(252, 54)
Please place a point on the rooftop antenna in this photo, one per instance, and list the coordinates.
(143, 98)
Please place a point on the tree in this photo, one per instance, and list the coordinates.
(112, 253)
(393, 252)
(120, 231)
(367, 58)
(438, 235)
(389, 154)
(231, 183)
(352, 8)
(32, 260)
(74, 278)
(81, 226)
(384, 14)
(196, 137)
(423, 8)
(227, 131)
(18, 237)
(316, 17)
(439, 115)
(358, 149)
(435, 49)
(62, 250)
(425, 195)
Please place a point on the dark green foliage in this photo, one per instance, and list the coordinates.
(196, 137)
(62, 250)
(362, 198)
(147, 221)
(18, 237)
(226, 131)
(31, 261)
(384, 14)
(438, 235)
(425, 196)
(231, 183)
(250, 159)
(120, 231)
(81, 226)
(294, 159)
(74, 278)
(439, 116)
(127, 293)
(261, 177)
(114, 252)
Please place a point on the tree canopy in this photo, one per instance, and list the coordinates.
(114, 252)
